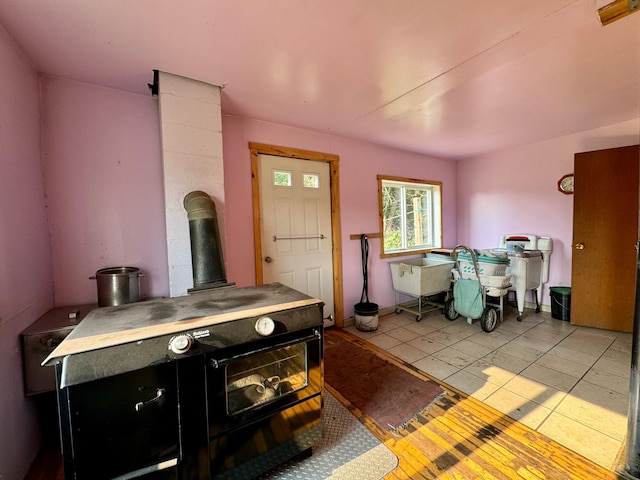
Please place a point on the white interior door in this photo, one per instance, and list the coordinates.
(295, 204)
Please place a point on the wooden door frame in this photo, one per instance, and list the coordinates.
(258, 149)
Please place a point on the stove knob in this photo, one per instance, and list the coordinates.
(180, 343)
(265, 326)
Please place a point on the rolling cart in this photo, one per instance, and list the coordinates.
(421, 278)
(477, 279)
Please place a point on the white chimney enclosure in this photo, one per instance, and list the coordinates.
(191, 133)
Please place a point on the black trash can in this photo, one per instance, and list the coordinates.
(560, 303)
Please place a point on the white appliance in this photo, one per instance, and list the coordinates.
(528, 264)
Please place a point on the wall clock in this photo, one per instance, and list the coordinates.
(565, 184)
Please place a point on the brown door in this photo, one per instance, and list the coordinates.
(605, 233)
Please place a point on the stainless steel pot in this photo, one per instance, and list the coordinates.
(118, 285)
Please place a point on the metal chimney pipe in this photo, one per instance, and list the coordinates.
(206, 249)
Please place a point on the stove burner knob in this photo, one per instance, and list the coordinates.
(180, 343)
(265, 326)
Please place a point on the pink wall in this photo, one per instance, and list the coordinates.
(515, 191)
(360, 163)
(103, 176)
(26, 282)
(103, 173)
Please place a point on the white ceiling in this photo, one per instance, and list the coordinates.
(451, 78)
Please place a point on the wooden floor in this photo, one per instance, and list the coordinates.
(458, 438)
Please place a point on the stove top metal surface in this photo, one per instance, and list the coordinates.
(215, 318)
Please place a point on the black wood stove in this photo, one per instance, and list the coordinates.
(224, 383)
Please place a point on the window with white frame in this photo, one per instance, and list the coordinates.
(410, 215)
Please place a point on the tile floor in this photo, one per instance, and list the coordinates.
(569, 383)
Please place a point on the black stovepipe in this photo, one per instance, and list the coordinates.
(206, 248)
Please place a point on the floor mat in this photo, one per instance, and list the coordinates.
(347, 451)
(378, 388)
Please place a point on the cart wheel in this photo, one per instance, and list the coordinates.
(397, 311)
(418, 318)
(537, 309)
(489, 319)
(450, 312)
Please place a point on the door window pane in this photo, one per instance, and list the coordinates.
(281, 178)
(310, 180)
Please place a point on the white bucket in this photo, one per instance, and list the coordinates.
(366, 316)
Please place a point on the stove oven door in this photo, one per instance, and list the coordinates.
(264, 403)
(123, 426)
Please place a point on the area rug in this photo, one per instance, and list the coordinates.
(378, 388)
(348, 451)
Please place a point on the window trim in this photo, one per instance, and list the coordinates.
(390, 178)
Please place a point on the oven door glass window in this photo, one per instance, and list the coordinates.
(266, 376)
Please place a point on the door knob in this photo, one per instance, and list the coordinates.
(268, 259)
(579, 246)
